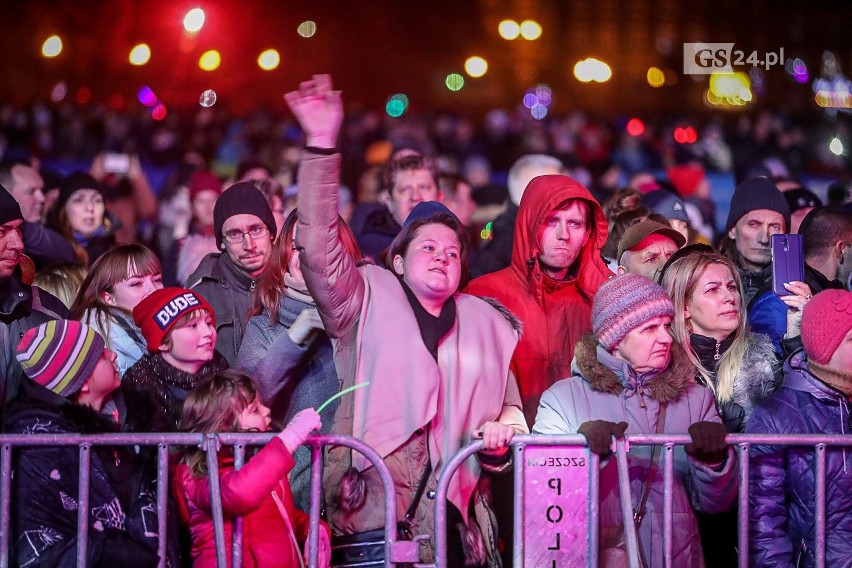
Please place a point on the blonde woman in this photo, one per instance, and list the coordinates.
(740, 367)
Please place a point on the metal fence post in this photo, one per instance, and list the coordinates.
(83, 505)
(5, 502)
(743, 510)
(211, 447)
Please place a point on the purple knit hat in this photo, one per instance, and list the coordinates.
(623, 304)
(826, 320)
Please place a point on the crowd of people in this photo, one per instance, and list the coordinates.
(586, 307)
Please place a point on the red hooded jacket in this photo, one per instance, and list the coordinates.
(555, 314)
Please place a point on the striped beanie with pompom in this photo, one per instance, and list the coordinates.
(60, 355)
(623, 304)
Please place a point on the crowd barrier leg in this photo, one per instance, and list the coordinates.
(668, 485)
(5, 502)
(237, 536)
(820, 504)
(745, 466)
(83, 505)
(162, 502)
(211, 449)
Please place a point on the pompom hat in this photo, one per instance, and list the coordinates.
(623, 304)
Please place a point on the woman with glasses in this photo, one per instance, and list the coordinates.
(244, 228)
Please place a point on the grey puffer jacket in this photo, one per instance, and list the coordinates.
(605, 388)
(782, 479)
(291, 378)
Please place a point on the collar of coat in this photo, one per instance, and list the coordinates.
(666, 387)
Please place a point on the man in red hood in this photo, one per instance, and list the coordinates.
(555, 272)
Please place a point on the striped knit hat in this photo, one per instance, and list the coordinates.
(60, 355)
(623, 304)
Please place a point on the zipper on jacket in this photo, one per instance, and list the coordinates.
(117, 460)
(803, 548)
(718, 355)
(253, 282)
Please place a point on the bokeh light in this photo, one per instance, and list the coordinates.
(685, 135)
(454, 82)
(729, 89)
(210, 60)
(268, 59)
(656, 77)
(84, 95)
(140, 54)
(397, 105)
(476, 66)
(538, 111)
(509, 29)
(146, 96)
(59, 91)
(836, 146)
(307, 28)
(592, 69)
(159, 112)
(635, 127)
(530, 30)
(207, 98)
(52, 46)
(194, 20)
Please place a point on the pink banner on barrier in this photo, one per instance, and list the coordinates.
(556, 514)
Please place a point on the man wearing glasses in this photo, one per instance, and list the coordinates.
(244, 228)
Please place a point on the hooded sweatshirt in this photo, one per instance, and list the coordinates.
(555, 314)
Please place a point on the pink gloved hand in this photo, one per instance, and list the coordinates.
(319, 110)
(299, 428)
(324, 552)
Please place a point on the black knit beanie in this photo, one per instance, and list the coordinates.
(77, 180)
(241, 198)
(9, 208)
(757, 193)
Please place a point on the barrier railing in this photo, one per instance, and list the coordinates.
(395, 551)
(406, 551)
(741, 442)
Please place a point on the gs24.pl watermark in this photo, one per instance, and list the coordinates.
(706, 58)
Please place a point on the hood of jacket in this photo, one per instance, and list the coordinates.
(666, 386)
(798, 377)
(543, 195)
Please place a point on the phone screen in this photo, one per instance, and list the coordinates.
(116, 163)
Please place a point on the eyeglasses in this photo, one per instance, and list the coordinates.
(255, 232)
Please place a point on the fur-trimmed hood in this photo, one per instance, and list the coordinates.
(664, 387)
(507, 314)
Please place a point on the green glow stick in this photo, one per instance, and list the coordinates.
(341, 393)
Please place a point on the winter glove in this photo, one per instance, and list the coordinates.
(599, 434)
(299, 428)
(708, 442)
(307, 321)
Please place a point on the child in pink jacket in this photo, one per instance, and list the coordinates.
(274, 530)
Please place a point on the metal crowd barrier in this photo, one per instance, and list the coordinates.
(399, 551)
(211, 443)
(741, 442)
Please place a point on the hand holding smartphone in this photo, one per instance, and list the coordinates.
(118, 164)
(788, 261)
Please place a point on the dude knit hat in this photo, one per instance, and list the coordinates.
(9, 208)
(60, 355)
(826, 320)
(753, 194)
(635, 234)
(666, 204)
(203, 181)
(623, 304)
(157, 314)
(426, 209)
(241, 198)
(801, 198)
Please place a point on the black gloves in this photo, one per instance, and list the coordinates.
(708, 442)
(599, 434)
